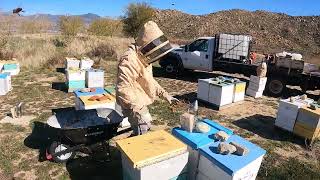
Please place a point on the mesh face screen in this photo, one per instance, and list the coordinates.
(153, 44)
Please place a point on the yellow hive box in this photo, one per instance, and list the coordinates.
(87, 102)
(308, 123)
(240, 87)
(151, 148)
(306, 132)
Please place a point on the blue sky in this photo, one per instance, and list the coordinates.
(116, 7)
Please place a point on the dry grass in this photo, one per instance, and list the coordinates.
(41, 49)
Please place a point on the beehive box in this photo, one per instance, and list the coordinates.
(75, 75)
(221, 94)
(82, 101)
(195, 140)
(86, 64)
(255, 94)
(288, 112)
(203, 89)
(153, 156)
(239, 91)
(94, 78)
(11, 67)
(75, 85)
(5, 83)
(213, 165)
(256, 86)
(72, 63)
(308, 123)
(287, 62)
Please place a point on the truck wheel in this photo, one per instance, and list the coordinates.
(275, 87)
(170, 68)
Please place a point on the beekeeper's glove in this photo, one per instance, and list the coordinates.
(172, 100)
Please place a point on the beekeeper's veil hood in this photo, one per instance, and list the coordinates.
(152, 43)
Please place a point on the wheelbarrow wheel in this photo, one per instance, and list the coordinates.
(56, 147)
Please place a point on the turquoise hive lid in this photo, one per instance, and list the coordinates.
(197, 140)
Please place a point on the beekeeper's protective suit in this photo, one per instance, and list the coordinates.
(136, 88)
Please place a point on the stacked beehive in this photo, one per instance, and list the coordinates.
(206, 163)
(80, 75)
(256, 86)
(288, 111)
(221, 91)
(152, 156)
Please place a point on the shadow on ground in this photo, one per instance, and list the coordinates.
(61, 70)
(89, 167)
(264, 127)
(41, 137)
(296, 92)
(60, 86)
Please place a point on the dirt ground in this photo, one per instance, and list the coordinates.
(22, 146)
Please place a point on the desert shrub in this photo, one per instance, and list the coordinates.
(70, 25)
(136, 15)
(102, 51)
(105, 27)
(56, 60)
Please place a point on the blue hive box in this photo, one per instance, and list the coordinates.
(10, 66)
(98, 91)
(196, 140)
(74, 85)
(213, 165)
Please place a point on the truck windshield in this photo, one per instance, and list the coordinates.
(199, 45)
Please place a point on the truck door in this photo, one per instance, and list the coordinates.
(196, 56)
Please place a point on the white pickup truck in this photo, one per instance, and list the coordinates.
(202, 53)
(231, 53)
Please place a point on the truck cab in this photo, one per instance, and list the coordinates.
(198, 55)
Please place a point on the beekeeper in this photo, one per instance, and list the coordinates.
(136, 88)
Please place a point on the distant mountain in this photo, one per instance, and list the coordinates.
(87, 18)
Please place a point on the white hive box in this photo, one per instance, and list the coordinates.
(195, 140)
(221, 94)
(255, 94)
(75, 75)
(72, 63)
(86, 64)
(203, 89)
(213, 165)
(288, 112)
(153, 156)
(256, 86)
(94, 78)
(5, 84)
(239, 91)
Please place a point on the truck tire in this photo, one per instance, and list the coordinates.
(275, 87)
(172, 65)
